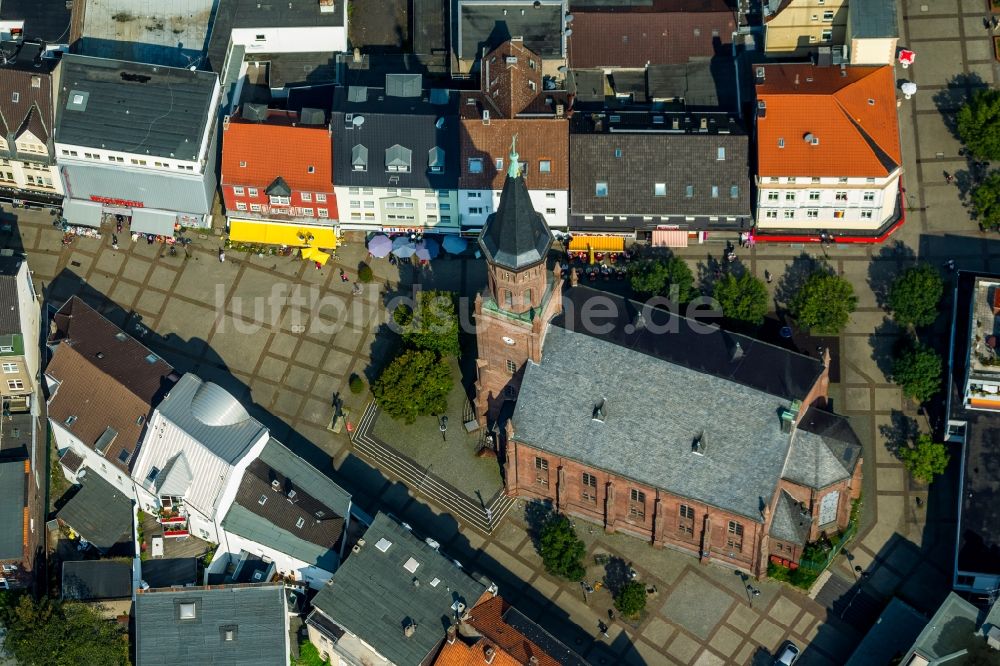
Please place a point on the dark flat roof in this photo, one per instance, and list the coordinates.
(99, 512)
(13, 496)
(44, 19)
(96, 580)
(170, 572)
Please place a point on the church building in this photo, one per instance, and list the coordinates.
(646, 422)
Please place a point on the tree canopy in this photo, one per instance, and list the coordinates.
(925, 459)
(53, 633)
(663, 276)
(985, 199)
(979, 124)
(824, 303)
(561, 549)
(432, 324)
(917, 369)
(631, 598)
(416, 383)
(742, 298)
(914, 295)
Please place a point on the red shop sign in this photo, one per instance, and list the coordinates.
(111, 201)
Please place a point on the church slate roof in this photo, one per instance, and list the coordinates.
(824, 450)
(515, 236)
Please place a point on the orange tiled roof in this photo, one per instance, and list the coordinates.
(537, 139)
(271, 149)
(850, 111)
(487, 618)
(460, 654)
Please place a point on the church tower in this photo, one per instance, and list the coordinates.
(521, 296)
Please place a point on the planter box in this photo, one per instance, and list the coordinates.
(996, 47)
(175, 533)
(173, 519)
(993, 6)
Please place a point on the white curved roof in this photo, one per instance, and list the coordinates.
(215, 406)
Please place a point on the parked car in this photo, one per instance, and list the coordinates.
(787, 655)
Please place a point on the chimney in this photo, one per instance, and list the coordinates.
(560, 110)
(737, 353)
(533, 660)
(452, 632)
(409, 628)
(491, 654)
(574, 278)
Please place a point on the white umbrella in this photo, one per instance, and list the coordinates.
(405, 250)
(909, 89)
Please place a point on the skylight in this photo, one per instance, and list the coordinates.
(411, 565)
(383, 544)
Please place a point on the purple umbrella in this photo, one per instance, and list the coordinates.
(428, 249)
(380, 246)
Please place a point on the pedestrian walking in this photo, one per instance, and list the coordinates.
(950, 264)
(222, 256)
(948, 178)
(995, 22)
(767, 276)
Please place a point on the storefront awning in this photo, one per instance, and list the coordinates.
(670, 238)
(597, 244)
(276, 233)
(82, 213)
(312, 254)
(149, 221)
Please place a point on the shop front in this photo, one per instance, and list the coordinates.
(30, 198)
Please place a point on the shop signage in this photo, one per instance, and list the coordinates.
(111, 201)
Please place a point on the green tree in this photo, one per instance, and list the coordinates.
(979, 124)
(681, 279)
(365, 273)
(631, 598)
(53, 633)
(433, 325)
(742, 298)
(914, 296)
(561, 549)
(925, 459)
(824, 303)
(356, 384)
(416, 383)
(917, 369)
(985, 198)
(648, 277)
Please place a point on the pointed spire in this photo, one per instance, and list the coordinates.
(514, 169)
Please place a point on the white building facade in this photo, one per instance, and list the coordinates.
(802, 202)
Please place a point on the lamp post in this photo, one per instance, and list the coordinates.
(443, 427)
(751, 593)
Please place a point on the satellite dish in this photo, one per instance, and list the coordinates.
(440, 123)
(358, 121)
(569, 31)
(562, 69)
(569, 18)
(193, 68)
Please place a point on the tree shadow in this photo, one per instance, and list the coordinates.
(708, 273)
(883, 341)
(885, 267)
(899, 432)
(537, 513)
(617, 572)
(796, 274)
(950, 98)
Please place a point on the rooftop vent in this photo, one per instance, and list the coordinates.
(600, 410)
(698, 444)
(737, 352)
(808, 137)
(383, 544)
(761, 108)
(411, 565)
(409, 628)
(275, 485)
(871, 101)
(490, 653)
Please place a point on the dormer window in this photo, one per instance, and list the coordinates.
(435, 160)
(398, 159)
(359, 158)
(475, 165)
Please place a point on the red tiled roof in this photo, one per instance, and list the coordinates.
(635, 39)
(273, 148)
(487, 618)
(537, 139)
(461, 654)
(851, 112)
(511, 78)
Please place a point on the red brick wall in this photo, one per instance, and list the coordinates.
(522, 481)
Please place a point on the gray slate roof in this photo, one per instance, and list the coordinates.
(10, 311)
(676, 160)
(132, 107)
(490, 23)
(101, 513)
(655, 410)
(373, 596)
(255, 612)
(789, 523)
(96, 580)
(824, 450)
(515, 236)
(409, 122)
(872, 19)
(170, 191)
(703, 84)
(275, 523)
(13, 495)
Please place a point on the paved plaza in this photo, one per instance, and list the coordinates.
(286, 337)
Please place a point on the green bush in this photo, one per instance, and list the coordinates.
(925, 459)
(561, 549)
(824, 303)
(308, 656)
(979, 124)
(918, 369)
(915, 294)
(631, 599)
(416, 383)
(433, 324)
(365, 273)
(356, 384)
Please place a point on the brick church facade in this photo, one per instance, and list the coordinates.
(695, 439)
